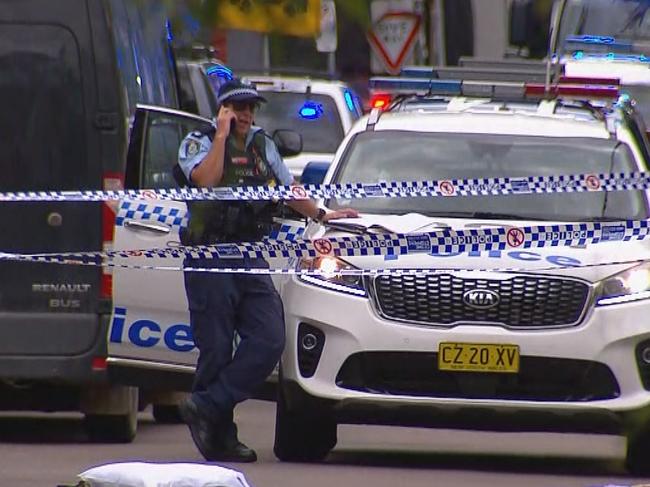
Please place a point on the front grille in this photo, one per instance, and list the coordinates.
(523, 301)
(538, 379)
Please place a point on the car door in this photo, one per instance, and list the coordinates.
(150, 322)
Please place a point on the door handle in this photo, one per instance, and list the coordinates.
(158, 228)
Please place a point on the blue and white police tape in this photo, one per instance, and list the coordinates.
(572, 183)
(293, 270)
(437, 242)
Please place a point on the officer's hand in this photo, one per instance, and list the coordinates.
(342, 213)
(224, 119)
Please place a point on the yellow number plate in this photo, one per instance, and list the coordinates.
(478, 357)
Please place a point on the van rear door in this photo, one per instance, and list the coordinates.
(48, 94)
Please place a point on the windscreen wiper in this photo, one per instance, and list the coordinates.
(488, 215)
(356, 228)
(348, 227)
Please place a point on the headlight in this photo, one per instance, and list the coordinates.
(630, 285)
(330, 273)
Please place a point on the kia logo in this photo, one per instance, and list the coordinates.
(481, 298)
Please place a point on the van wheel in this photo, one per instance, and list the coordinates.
(111, 414)
(638, 446)
(167, 414)
(302, 436)
(111, 428)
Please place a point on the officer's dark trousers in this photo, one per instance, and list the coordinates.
(220, 305)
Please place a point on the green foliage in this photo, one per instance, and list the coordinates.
(206, 11)
(356, 10)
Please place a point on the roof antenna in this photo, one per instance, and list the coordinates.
(553, 50)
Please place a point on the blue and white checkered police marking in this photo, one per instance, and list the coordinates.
(175, 218)
(438, 242)
(573, 183)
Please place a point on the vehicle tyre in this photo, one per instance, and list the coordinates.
(638, 446)
(111, 428)
(111, 414)
(167, 414)
(302, 436)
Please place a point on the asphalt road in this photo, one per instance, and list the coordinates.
(42, 450)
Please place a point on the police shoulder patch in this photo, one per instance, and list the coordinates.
(192, 148)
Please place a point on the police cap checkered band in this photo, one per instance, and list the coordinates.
(237, 90)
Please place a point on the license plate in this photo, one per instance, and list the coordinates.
(478, 357)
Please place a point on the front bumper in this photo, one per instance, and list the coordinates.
(606, 335)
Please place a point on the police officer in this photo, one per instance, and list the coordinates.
(235, 153)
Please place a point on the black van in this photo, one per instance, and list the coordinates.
(71, 74)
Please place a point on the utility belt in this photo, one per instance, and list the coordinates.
(228, 221)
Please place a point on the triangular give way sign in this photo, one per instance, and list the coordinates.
(393, 37)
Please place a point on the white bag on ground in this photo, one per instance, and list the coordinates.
(140, 474)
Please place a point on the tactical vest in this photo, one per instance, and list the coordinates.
(231, 221)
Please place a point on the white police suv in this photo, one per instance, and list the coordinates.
(552, 339)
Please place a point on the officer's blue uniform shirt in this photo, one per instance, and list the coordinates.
(196, 146)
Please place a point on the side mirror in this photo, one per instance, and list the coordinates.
(520, 18)
(314, 172)
(289, 142)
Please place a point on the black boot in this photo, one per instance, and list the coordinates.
(201, 427)
(226, 446)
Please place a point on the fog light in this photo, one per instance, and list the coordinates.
(645, 355)
(310, 345)
(309, 342)
(643, 363)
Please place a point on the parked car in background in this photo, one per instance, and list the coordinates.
(198, 85)
(606, 39)
(321, 111)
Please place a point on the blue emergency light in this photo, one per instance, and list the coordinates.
(311, 110)
(611, 56)
(220, 71)
(418, 72)
(349, 100)
(416, 85)
(600, 42)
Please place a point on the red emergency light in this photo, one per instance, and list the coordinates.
(578, 91)
(578, 80)
(380, 100)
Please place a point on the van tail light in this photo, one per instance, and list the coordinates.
(99, 363)
(112, 181)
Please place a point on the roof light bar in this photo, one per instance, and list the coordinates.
(577, 88)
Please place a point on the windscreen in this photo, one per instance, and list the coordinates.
(415, 156)
(315, 118)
